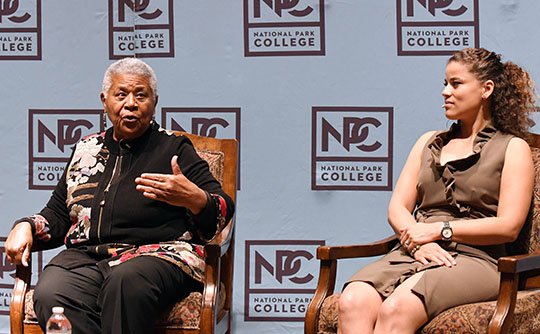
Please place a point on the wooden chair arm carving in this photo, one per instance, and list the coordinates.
(16, 307)
(23, 276)
(511, 267)
(355, 251)
(214, 251)
(519, 263)
(219, 245)
(328, 270)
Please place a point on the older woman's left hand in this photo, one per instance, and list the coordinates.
(174, 189)
(419, 234)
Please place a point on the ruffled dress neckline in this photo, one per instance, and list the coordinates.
(448, 170)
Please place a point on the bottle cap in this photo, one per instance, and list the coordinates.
(58, 309)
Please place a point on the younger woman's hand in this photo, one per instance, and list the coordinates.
(432, 252)
(419, 234)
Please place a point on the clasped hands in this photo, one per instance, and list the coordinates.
(419, 241)
(174, 189)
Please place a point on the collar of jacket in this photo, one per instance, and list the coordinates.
(125, 146)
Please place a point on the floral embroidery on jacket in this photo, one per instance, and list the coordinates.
(80, 224)
(221, 206)
(88, 160)
(187, 256)
(87, 164)
(42, 227)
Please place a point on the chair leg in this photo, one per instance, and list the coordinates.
(504, 311)
(325, 287)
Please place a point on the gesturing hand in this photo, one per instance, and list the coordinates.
(174, 189)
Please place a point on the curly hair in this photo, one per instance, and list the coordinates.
(129, 65)
(513, 97)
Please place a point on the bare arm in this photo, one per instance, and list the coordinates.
(402, 204)
(403, 199)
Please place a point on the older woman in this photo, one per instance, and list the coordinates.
(463, 193)
(132, 207)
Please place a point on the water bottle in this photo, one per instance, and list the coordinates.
(58, 323)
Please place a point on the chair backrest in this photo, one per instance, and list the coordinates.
(529, 238)
(222, 157)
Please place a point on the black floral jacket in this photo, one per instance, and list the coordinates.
(95, 205)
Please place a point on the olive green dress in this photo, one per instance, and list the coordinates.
(467, 188)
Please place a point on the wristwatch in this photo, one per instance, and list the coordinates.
(446, 231)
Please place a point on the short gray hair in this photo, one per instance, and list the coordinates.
(133, 66)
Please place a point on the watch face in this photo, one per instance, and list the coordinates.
(447, 233)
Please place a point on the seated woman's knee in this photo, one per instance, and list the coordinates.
(355, 297)
(45, 295)
(393, 307)
(49, 287)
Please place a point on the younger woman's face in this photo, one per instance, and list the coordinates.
(462, 92)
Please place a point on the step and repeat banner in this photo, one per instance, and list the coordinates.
(325, 97)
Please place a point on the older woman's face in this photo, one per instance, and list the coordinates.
(130, 105)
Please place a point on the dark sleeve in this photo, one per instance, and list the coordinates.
(219, 206)
(51, 224)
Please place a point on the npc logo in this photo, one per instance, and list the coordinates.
(280, 279)
(352, 148)
(436, 27)
(20, 30)
(209, 122)
(52, 134)
(143, 28)
(284, 28)
(7, 275)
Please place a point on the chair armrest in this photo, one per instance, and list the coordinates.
(519, 263)
(380, 247)
(510, 267)
(16, 307)
(219, 245)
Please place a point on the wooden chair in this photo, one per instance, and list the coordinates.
(207, 312)
(517, 309)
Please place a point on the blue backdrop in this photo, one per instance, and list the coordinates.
(326, 97)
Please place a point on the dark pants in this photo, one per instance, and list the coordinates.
(123, 299)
